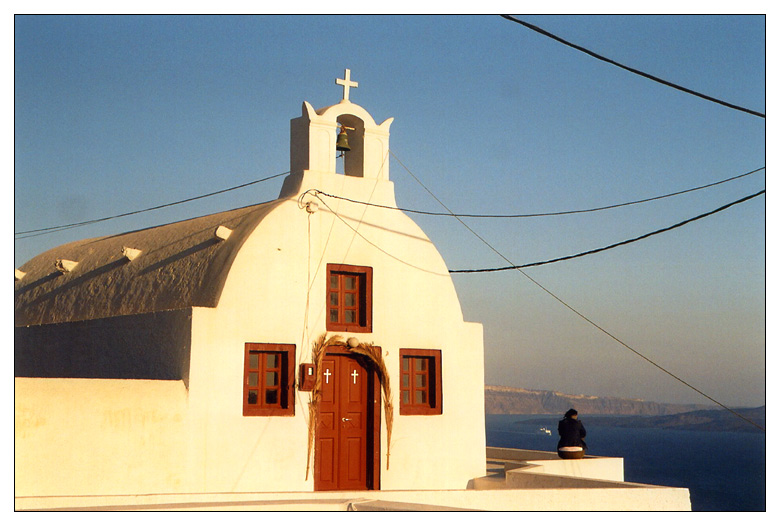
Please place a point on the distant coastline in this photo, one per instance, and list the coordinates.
(512, 400)
(610, 411)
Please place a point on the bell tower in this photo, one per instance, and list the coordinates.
(313, 146)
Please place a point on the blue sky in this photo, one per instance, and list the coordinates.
(115, 114)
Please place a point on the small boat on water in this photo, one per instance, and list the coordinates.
(545, 431)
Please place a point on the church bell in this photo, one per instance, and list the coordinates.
(341, 142)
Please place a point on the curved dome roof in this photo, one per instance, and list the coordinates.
(180, 265)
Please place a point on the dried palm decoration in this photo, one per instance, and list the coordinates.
(374, 354)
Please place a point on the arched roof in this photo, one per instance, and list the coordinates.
(181, 265)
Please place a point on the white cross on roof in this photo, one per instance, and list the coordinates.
(347, 83)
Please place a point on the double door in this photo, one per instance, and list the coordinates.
(346, 446)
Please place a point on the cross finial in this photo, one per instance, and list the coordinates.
(347, 83)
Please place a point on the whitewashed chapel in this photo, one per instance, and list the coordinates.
(304, 344)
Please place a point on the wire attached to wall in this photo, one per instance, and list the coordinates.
(318, 193)
(364, 238)
(547, 214)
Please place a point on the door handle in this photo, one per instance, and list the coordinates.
(346, 419)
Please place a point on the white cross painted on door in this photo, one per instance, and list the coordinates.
(327, 375)
(354, 376)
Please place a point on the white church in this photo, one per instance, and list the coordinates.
(307, 351)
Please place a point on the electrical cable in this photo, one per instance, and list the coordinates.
(59, 228)
(614, 245)
(632, 70)
(543, 214)
(364, 238)
(575, 311)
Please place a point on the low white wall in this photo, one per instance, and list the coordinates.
(78, 436)
(522, 479)
(505, 453)
(602, 468)
(535, 462)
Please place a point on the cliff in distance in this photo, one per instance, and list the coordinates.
(705, 420)
(516, 401)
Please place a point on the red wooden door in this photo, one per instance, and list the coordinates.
(343, 456)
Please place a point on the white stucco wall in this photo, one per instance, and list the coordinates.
(264, 300)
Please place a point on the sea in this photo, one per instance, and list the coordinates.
(724, 471)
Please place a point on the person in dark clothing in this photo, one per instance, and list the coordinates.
(571, 431)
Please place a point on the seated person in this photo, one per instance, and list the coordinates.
(571, 431)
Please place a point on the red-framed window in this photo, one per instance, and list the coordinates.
(269, 379)
(349, 291)
(420, 382)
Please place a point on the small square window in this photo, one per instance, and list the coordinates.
(349, 298)
(420, 382)
(269, 379)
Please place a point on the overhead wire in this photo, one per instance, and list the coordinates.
(633, 70)
(575, 311)
(318, 195)
(614, 245)
(365, 210)
(41, 231)
(484, 241)
(544, 214)
(364, 238)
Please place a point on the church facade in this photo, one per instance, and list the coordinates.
(311, 343)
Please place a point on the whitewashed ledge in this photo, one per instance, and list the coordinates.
(515, 480)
